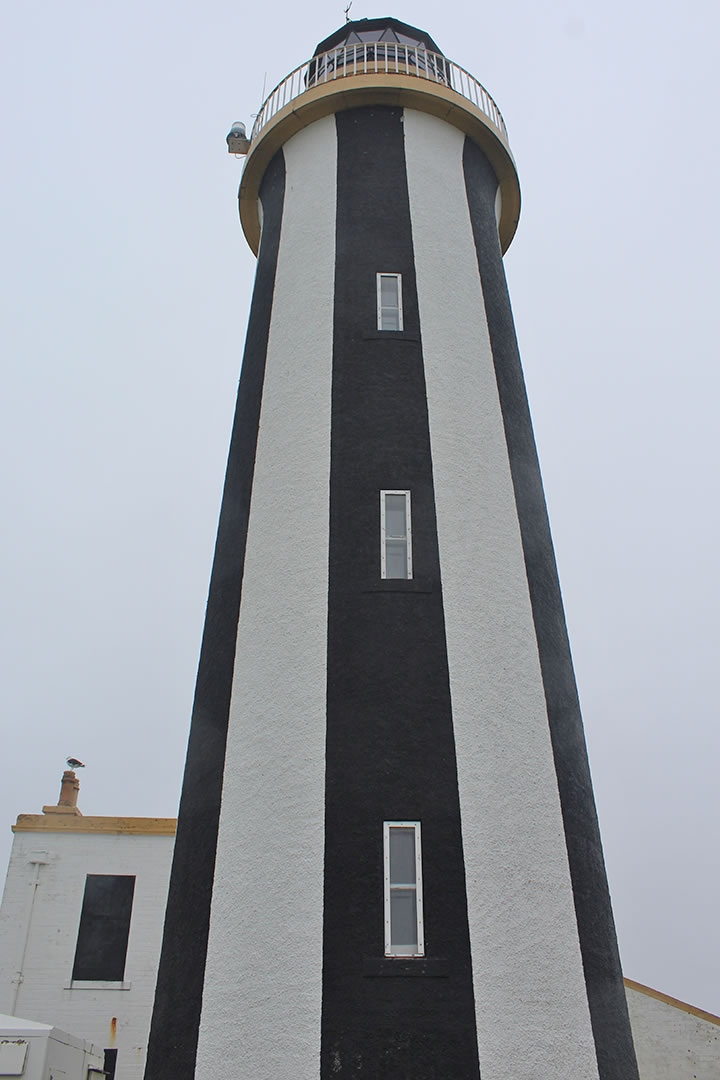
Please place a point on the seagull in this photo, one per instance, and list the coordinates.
(74, 763)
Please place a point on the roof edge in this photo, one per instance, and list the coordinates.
(711, 1018)
(136, 826)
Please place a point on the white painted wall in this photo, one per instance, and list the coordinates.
(671, 1041)
(532, 1015)
(39, 938)
(269, 872)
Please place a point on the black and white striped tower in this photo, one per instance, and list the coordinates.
(388, 863)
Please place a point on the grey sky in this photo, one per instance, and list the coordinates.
(126, 284)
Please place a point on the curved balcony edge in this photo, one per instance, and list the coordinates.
(379, 88)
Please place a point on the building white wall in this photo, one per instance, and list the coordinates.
(673, 1041)
(38, 937)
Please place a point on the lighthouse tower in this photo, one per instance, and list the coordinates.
(388, 863)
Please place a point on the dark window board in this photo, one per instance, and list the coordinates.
(104, 928)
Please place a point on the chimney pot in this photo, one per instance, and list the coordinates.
(67, 803)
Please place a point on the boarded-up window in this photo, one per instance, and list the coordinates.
(104, 928)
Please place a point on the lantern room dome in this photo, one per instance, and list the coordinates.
(367, 31)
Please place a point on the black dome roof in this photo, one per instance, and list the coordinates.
(363, 31)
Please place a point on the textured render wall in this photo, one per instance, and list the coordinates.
(47, 968)
(270, 843)
(596, 929)
(532, 1014)
(671, 1042)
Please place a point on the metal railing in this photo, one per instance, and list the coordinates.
(385, 58)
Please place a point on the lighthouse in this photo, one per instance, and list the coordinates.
(388, 863)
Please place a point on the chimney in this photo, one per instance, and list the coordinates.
(67, 803)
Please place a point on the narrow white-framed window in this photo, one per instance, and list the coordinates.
(403, 889)
(389, 302)
(395, 535)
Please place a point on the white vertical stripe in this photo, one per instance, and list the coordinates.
(262, 998)
(532, 1013)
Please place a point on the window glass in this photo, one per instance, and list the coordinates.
(403, 920)
(396, 565)
(402, 856)
(388, 291)
(395, 515)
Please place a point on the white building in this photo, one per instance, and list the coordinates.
(81, 924)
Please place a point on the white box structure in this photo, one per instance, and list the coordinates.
(43, 1052)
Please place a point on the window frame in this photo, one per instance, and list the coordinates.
(388, 886)
(398, 278)
(384, 538)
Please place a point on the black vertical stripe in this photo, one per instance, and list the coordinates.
(601, 961)
(390, 743)
(178, 999)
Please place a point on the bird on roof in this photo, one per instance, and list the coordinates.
(74, 763)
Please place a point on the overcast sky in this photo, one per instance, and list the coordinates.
(125, 290)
